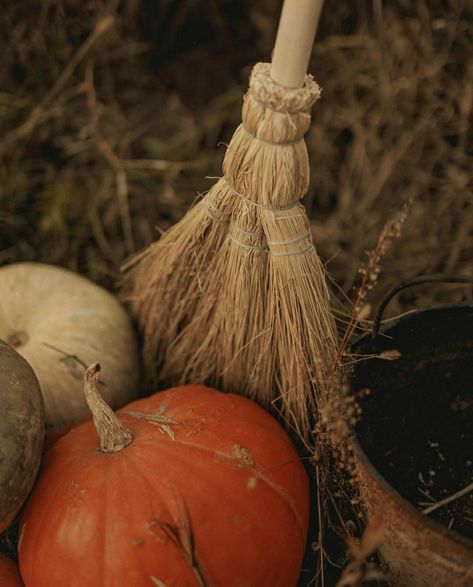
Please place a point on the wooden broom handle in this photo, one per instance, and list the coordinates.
(296, 33)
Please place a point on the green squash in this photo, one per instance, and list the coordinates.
(21, 431)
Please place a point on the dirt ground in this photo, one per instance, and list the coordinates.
(114, 114)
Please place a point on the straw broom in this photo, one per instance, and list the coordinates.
(234, 294)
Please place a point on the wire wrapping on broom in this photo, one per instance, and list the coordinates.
(214, 213)
(268, 247)
(257, 204)
(299, 239)
(272, 143)
(257, 236)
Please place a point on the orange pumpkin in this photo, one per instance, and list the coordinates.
(190, 487)
(9, 576)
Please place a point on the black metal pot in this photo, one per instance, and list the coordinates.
(412, 399)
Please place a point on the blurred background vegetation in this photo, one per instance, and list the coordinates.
(113, 112)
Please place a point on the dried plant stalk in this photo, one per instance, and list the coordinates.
(244, 305)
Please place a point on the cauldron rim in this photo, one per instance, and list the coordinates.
(404, 504)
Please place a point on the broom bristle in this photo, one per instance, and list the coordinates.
(163, 284)
(244, 305)
(232, 315)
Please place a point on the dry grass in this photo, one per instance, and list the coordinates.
(78, 187)
(396, 121)
(359, 570)
(392, 125)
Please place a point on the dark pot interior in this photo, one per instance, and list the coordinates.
(417, 426)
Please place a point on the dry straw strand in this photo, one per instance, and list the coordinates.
(163, 283)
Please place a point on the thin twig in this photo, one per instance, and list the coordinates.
(182, 536)
(163, 164)
(66, 355)
(359, 570)
(370, 273)
(321, 528)
(43, 109)
(449, 499)
(113, 160)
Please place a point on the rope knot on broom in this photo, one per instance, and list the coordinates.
(234, 294)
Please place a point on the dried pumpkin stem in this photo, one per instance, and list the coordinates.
(113, 435)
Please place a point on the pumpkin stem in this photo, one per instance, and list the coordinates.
(113, 435)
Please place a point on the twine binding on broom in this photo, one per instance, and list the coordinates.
(286, 144)
(303, 237)
(257, 204)
(213, 210)
(241, 234)
(238, 303)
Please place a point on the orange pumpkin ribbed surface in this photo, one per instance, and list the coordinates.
(9, 576)
(209, 492)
